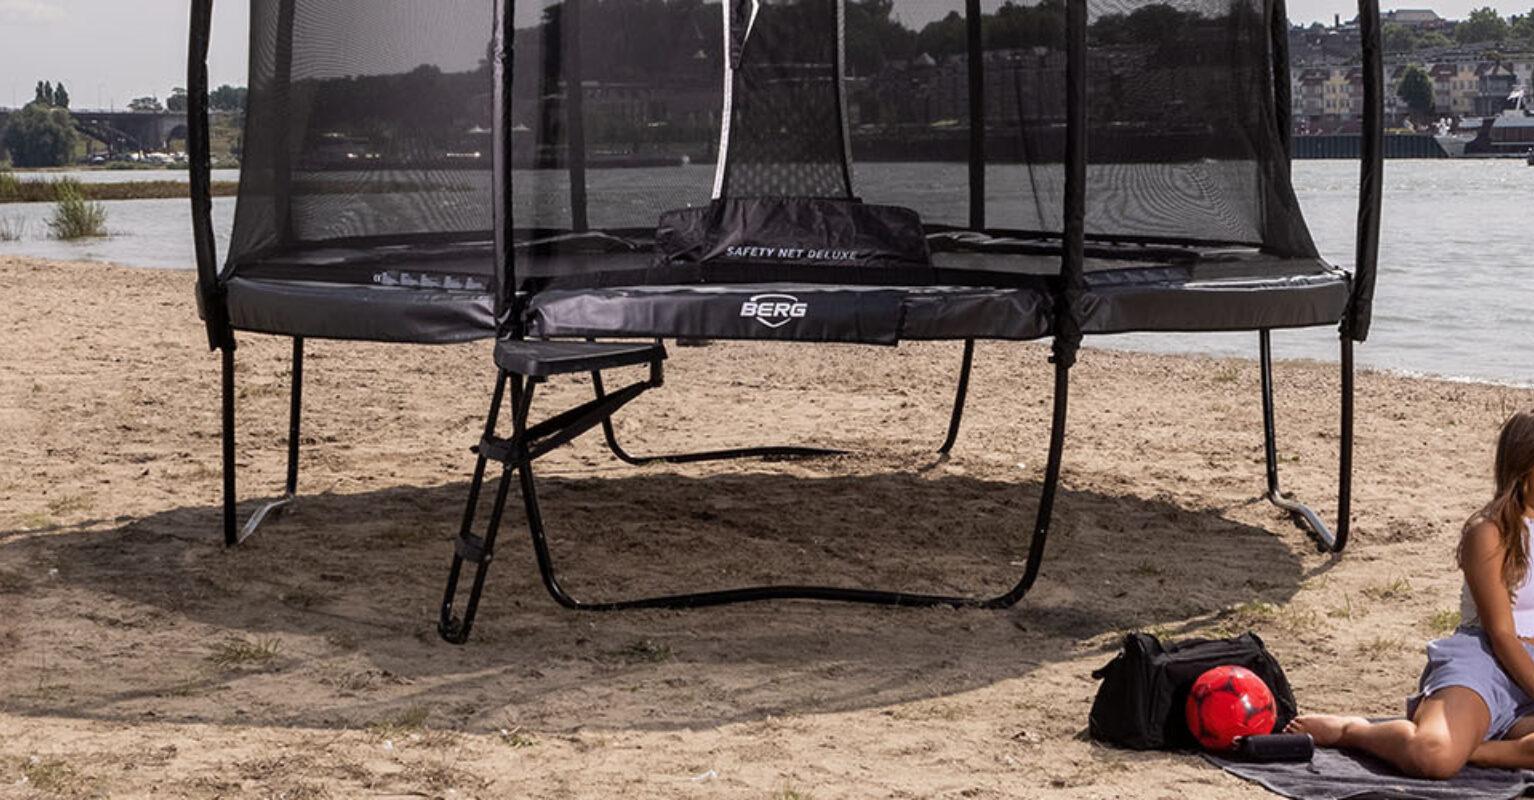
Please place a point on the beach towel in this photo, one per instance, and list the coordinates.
(1338, 775)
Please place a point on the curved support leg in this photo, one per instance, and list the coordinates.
(780, 451)
(959, 398)
(1304, 517)
(233, 533)
(795, 592)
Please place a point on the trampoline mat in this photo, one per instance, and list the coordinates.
(437, 292)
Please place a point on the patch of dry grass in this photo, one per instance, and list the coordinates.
(237, 652)
(1396, 589)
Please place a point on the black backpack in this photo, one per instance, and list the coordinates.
(1140, 704)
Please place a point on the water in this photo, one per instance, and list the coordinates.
(1454, 296)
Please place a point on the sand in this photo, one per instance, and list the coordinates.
(139, 657)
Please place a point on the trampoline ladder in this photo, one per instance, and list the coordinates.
(528, 442)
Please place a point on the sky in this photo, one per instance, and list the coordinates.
(108, 52)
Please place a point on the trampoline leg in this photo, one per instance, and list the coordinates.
(789, 592)
(231, 529)
(468, 546)
(770, 451)
(233, 532)
(1303, 516)
(781, 451)
(959, 398)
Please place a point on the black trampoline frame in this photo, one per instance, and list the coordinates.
(517, 453)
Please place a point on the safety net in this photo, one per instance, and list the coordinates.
(725, 129)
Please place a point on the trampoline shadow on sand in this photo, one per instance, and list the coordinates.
(335, 607)
(781, 171)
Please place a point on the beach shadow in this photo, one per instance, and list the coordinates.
(325, 619)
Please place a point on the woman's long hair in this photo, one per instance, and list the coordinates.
(1514, 465)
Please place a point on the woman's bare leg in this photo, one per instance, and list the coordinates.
(1436, 743)
(1513, 751)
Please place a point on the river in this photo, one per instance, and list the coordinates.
(1456, 281)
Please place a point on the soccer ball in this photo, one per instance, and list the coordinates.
(1227, 703)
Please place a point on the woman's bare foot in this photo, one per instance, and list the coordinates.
(1325, 729)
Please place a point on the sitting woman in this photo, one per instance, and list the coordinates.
(1475, 702)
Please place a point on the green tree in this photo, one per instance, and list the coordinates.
(1398, 38)
(1484, 25)
(40, 136)
(145, 104)
(1522, 29)
(43, 94)
(177, 100)
(1433, 39)
(60, 95)
(228, 98)
(1416, 90)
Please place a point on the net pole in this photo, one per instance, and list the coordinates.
(1073, 260)
(1283, 98)
(975, 46)
(575, 116)
(282, 190)
(1371, 172)
(504, 278)
(210, 294)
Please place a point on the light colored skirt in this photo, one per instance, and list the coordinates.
(1465, 659)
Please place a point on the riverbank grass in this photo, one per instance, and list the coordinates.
(15, 190)
(75, 217)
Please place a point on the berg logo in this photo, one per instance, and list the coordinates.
(774, 310)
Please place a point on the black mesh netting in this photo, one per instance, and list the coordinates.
(366, 121)
(370, 121)
(786, 128)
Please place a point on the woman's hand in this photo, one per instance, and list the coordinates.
(1481, 559)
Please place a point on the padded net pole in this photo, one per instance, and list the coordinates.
(575, 115)
(1073, 260)
(210, 296)
(1283, 99)
(504, 278)
(282, 189)
(975, 45)
(1372, 173)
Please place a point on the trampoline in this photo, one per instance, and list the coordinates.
(584, 179)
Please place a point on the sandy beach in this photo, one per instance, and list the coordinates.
(138, 657)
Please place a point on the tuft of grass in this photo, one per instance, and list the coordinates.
(1229, 373)
(52, 776)
(1397, 589)
(791, 792)
(75, 217)
(406, 722)
(1257, 614)
(12, 229)
(10, 185)
(37, 521)
(1443, 622)
(1345, 611)
(516, 739)
(69, 503)
(644, 651)
(1381, 646)
(239, 652)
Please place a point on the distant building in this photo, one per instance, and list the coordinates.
(1417, 19)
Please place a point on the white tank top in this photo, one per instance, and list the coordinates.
(1523, 596)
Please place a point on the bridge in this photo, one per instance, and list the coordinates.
(124, 131)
